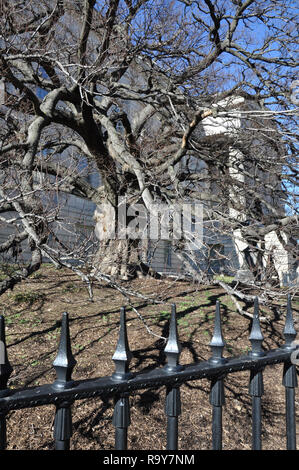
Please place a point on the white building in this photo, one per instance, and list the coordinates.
(222, 253)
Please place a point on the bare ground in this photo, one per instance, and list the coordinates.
(32, 314)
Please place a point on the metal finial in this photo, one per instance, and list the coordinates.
(289, 331)
(122, 356)
(65, 361)
(173, 347)
(217, 343)
(256, 338)
(5, 367)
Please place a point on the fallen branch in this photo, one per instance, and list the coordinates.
(234, 293)
(127, 293)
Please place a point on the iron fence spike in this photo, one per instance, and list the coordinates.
(217, 343)
(64, 362)
(173, 347)
(289, 331)
(122, 356)
(256, 337)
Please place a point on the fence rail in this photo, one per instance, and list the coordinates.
(65, 391)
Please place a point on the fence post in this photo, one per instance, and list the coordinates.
(121, 421)
(290, 381)
(122, 358)
(256, 386)
(63, 426)
(63, 364)
(217, 397)
(5, 372)
(173, 398)
(172, 411)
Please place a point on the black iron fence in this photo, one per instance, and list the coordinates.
(64, 391)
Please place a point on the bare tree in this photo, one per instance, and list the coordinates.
(168, 101)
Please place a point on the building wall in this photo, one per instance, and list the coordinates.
(75, 223)
(162, 258)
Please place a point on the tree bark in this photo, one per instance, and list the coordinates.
(120, 259)
(118, 256)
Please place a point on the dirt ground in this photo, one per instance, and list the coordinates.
(32, 313)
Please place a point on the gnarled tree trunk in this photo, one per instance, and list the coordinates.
(118, 255)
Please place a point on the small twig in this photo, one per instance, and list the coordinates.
(233, 294)
(144, 322)
(126, 293)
